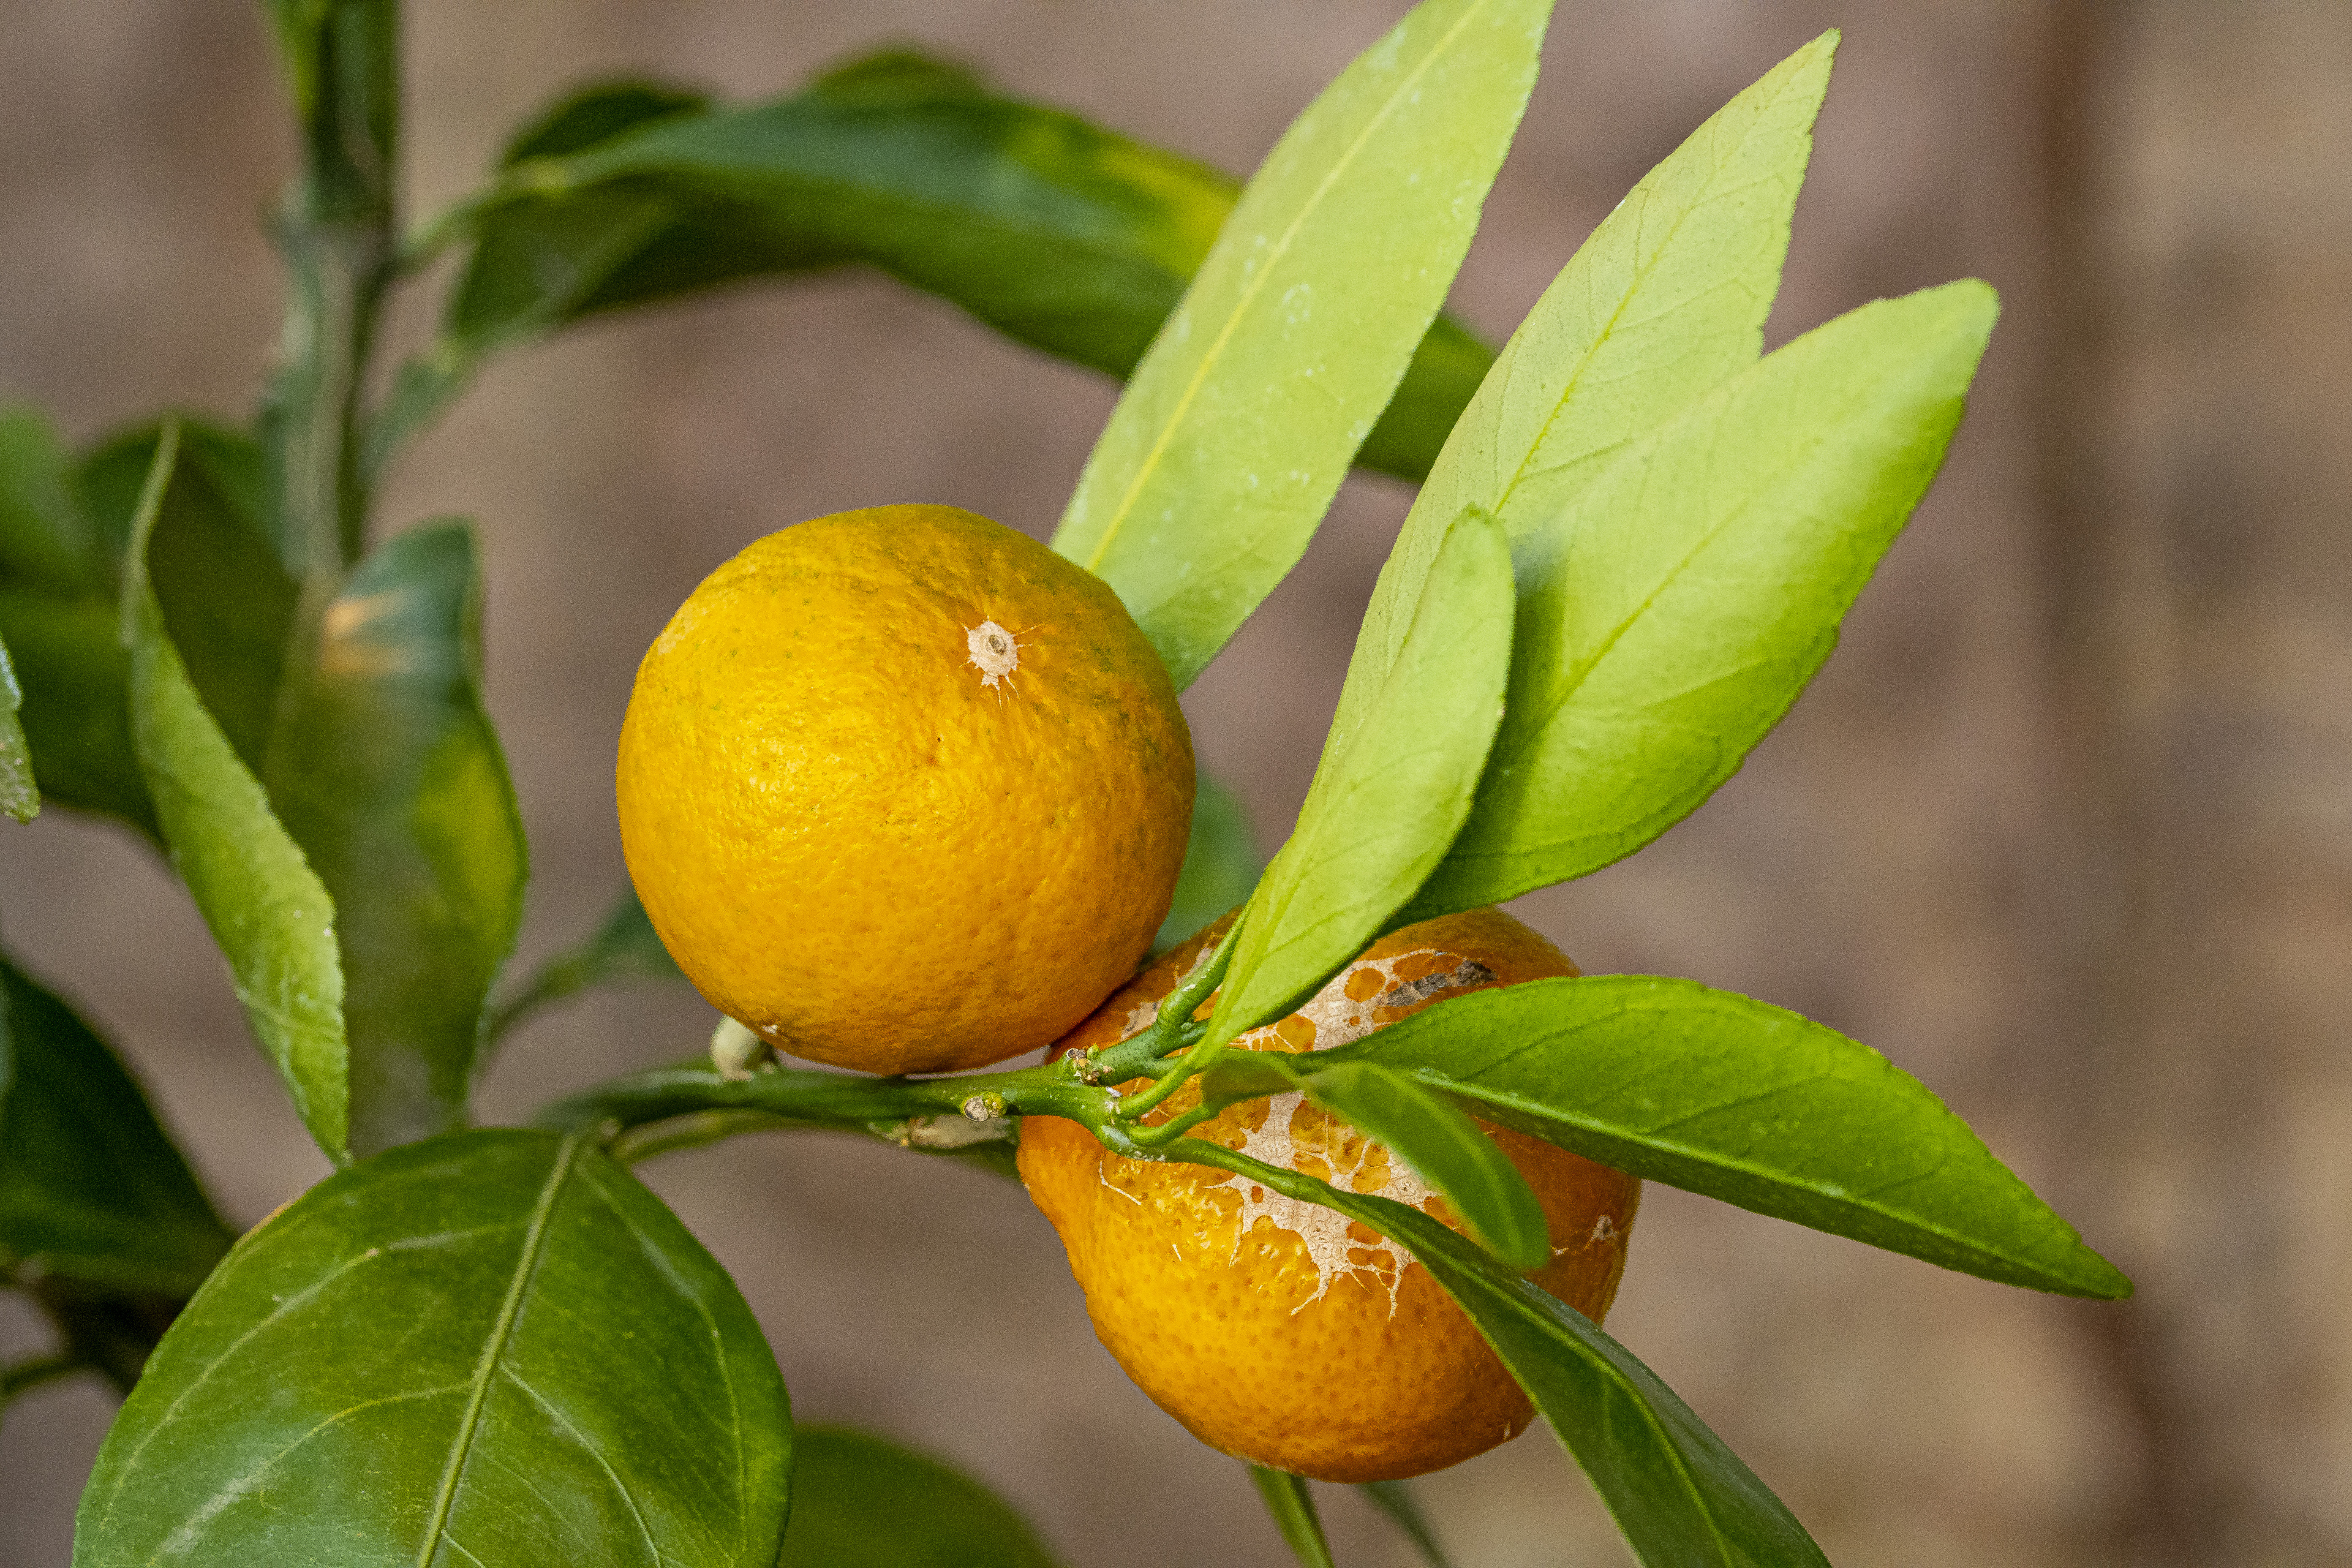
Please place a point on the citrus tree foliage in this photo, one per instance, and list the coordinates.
(1636, 541)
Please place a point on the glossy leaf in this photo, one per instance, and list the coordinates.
(1395, 1500)
(384, 768)
(267, 911)
(92, 1188)
(1293, 1506)
(1239, 424)
(1443, 1146)
(1447, 1150)
(1666, 300)
(1382, 809)
(1670, 615)
(1680, 1496)
(490, 1347)
(1747, 1102)
(623, 948)
(1057, 232)
(860, 1502)
(20, 795)
(1221, 864)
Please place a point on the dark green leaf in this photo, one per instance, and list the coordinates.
(47, 543)
(76, 679)
(1746, 1102)
(1394, 1500)
(63, 531)
(1443, 1146)
(1446, 1149)
(1239, 424)
(385, 769)
(267, 910)
(20, 795)
(623, 948)
(861, 1502)
(1679, 1495)
(1060, 234)
(1287, 1499)
(91, 1189)
(1387, 800)
(1221, 864)
(1673, 613)
(492, 1347)
(343, 68)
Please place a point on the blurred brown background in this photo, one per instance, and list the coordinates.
(2065, 827)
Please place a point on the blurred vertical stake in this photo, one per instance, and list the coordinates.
(2196, 470)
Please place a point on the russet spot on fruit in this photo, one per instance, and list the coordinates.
(903, 790)
(1281, 1332)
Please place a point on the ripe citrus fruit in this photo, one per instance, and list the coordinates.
(1282, 1333)
(902, 790)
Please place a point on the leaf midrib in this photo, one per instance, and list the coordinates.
(1257, 286)
(534, 1245)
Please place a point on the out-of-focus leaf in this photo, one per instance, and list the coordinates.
(1293, 1506)
(1665, 300)
(1680, 1496)
(58, 614)
(1383, 808)
(76, 679)
(20, 797)
(267, 911)
(491, 1347)
(47, 541)
(1221, 864)
(384, 768)
(1396, 1500)
(92, 1188)
(1239, 424)
(1060, 234)
(1670, 615)
(342, 70)
(860, 1502)
(623, 948)
(1747, 1102)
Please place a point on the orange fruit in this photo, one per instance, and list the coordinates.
(903, 790)
(1282, 1333)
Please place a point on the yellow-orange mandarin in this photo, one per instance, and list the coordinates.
(1282, 1333)
(902, 790)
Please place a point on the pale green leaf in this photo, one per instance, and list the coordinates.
(1665, 300)
(1234, 432)
(1380, 813)
(1670, 615)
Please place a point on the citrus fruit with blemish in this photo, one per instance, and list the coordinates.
(1282, 1333)
(902, 790)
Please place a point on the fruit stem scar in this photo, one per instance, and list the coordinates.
(995, 652)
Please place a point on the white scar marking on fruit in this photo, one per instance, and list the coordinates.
(995, 653)
(1330, 1247)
